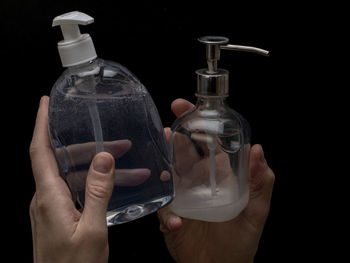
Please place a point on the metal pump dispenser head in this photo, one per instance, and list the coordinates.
(213, 81)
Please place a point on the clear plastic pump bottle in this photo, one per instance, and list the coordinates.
(99, 105)
(210, 146)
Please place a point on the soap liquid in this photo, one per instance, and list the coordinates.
(231, 195)
(124, 117)
(195, 205)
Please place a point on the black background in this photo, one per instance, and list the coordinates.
(280, 96)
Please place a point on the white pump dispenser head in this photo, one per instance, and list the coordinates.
(76, 48)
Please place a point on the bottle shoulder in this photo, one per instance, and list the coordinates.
(221, 121)
(106, 68)
(222, 114)
(99, 78)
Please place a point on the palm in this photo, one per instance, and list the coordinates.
(210, 242)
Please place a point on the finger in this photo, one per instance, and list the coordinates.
(169, 221)
(99, 188)
(185, 154)
(223, 172)
(180, 106)
(167, 132)
(261, 176)
(83, 153)
(32, 209)
(261, 185)
(131, 177)
(118, 148)
(43, 161)
(165, 176)
(123, 177)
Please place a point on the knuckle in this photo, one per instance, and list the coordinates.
(32, 206)
(33, 149)
(37, 149)
(41, 205)
(270, 176)
(97, 191)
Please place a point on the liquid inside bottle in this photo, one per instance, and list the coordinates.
(101, 106)
(210, 154)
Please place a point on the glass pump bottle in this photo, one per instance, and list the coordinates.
(98, 105)
(210, 146)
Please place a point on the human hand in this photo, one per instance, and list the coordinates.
(82, 155)
(232, 241)
(192, 152)
(60, 232)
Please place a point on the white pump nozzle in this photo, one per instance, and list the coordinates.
(76, 48)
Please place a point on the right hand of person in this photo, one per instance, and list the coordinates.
(236, 240)
(60, 232)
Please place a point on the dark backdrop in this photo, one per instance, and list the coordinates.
(158, 42)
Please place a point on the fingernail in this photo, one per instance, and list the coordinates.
(43, 99)
(102, 163)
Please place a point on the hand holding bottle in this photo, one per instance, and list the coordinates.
(98, 104)
(192, 158)
(60, 232)
(232, 241)
(83, 154)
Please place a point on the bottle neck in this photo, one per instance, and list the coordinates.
(86, 66)
(84, 77)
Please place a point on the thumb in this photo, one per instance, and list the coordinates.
(167, 132)
(261, 185)
(262, 177)
(99, 188)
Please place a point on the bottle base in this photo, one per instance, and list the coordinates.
(135, 211)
